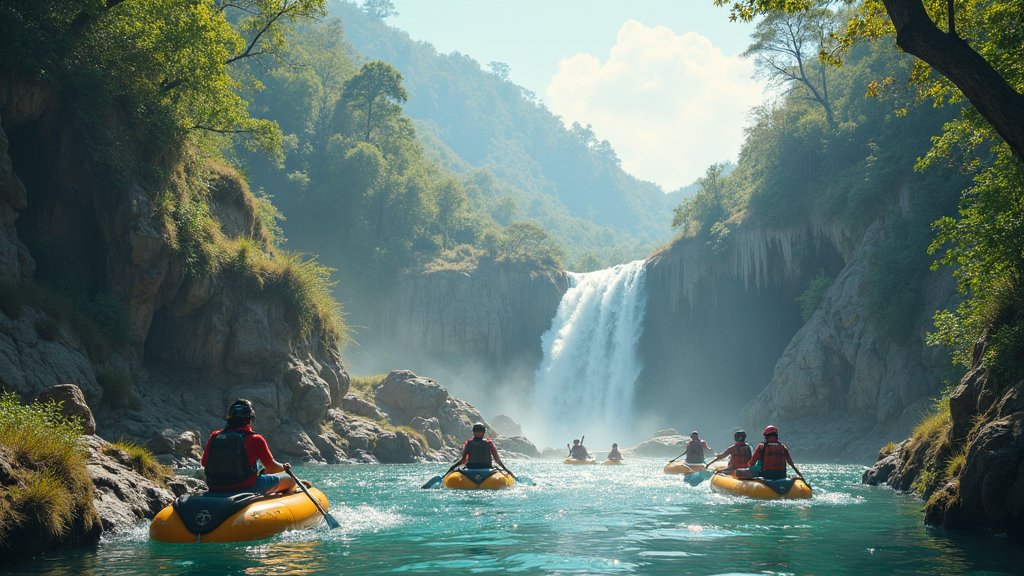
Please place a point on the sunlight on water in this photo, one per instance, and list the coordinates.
(629, 519)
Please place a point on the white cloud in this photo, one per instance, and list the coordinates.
(671, 105)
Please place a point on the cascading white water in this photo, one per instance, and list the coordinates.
(585, 381)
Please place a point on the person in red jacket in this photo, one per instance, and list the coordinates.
(770, 457)
(739, 453)
(478, 451)
(231, 454)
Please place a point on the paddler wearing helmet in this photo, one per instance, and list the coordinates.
(231, 454)
(478, 450)
(770, 457)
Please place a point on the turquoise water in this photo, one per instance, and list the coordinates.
(629, 519)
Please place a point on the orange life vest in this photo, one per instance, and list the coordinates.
(740, 455)
(773, 456)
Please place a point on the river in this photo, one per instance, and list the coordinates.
(629, 519)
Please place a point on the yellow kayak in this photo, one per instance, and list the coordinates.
(575, 461)
(235, 517)
(682, 468)
(760, 489)
(611, 462)
(477, 479)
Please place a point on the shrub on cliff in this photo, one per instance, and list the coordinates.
(45, 489)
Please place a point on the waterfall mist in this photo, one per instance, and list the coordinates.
(585, 382)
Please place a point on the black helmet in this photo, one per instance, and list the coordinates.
(740, 435)
(479, 427)
(241, 408)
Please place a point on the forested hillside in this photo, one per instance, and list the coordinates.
(481, 124)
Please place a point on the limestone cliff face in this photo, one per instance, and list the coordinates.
(490, 317)
(195, 340)
(717, 321)
(843, 386)
(727, 327)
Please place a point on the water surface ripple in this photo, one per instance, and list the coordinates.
(629, 519)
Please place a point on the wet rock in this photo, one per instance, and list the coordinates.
(122, 496)
(663, 445)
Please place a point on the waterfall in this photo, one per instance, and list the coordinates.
(584, 384)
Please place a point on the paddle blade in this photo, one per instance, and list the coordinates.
(331, 522)
(697, 477)
(525, 480)
(432, 483)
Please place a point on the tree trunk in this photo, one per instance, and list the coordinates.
(993, 97)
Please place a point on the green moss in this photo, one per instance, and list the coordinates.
(813, 295)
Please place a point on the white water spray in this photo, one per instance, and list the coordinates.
(585, 382)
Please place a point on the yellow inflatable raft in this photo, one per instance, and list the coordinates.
(682, 468)
(478, 479)
(235, 517)
(611, 462)
(792, 488)
(575, 461)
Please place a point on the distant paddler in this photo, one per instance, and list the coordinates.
(578, 451)
(614, 456)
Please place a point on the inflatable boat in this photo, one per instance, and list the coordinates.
(478, 479)
(235, 516)
(759, 488)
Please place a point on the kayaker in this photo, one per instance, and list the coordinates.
(614, 454)
(478, 451)
(770, 457)
(739, 453)
(695, 448)
(231, 454)
(578, 451)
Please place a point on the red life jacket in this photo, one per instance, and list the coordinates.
(479, 451)
(740, 455)
(773, 456)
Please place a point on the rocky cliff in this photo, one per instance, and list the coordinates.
(465, 325)
(725, 345)
(970, 463)
(718, 320)
(844, 384)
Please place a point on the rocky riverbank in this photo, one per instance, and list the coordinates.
(967, 460)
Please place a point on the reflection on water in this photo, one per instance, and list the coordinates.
(590, 520)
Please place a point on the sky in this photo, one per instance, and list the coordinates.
(662, 80)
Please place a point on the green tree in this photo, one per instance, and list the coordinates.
(527, 242)
(374, 95)
(706, 207)
(379, 9)
(785, 47)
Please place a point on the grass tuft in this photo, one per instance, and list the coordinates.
(139, 459)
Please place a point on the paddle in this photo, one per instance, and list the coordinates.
(331, 522)
(801, 476)
(696, 478)
(437, 479)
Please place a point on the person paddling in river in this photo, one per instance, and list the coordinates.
(615, 454)
(695, 448)
(478, 451)
(231, 454)
(739, 453)
(769, 459)
(578, 451)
